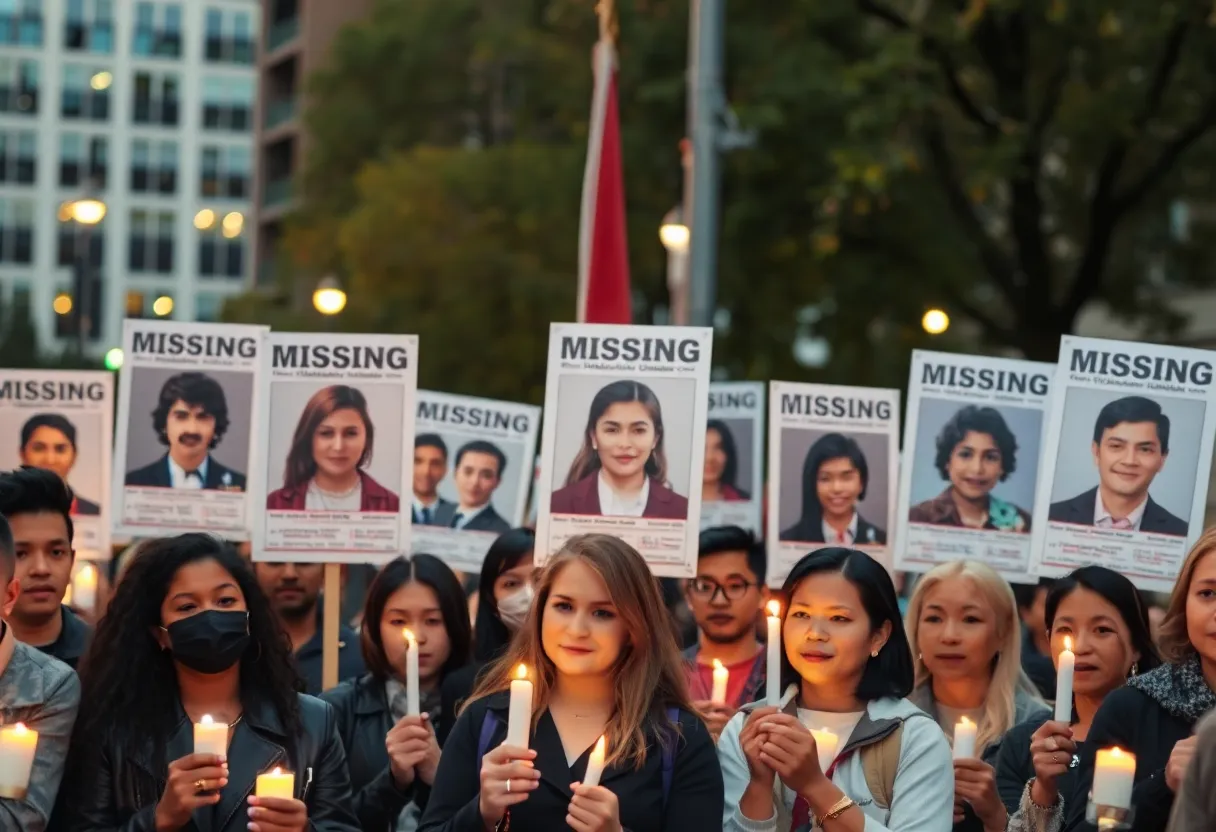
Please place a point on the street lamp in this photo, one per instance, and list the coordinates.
(329, 299)
(674, 235)
(87, 212)
(935, 322)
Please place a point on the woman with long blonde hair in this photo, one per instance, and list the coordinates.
(600, 653)
(965, 632)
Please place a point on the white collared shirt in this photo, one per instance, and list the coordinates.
(178, 478)
(1103, 519)
(850, 533)
(420, 506)
(616, 505)
(464, 516)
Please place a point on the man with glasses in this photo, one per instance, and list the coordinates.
(726, 598)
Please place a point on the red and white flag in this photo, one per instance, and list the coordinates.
(603, 251)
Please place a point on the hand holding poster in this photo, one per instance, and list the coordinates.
(62, 420)
(971, 458)
(833, 458)
(186, 398)
(1129, 447)
(624, 439)
(732, 484)
(472, 470)
(337, 411)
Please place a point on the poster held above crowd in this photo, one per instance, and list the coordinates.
(1111, 489)
(833, 464)
(623, 444)
(186, 398)
(471, 475)
(337, 411)
(63, 420)
(732, 486)
(972, 442)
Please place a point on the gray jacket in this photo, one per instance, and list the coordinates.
(44, 694)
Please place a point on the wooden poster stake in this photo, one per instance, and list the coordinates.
(330, 625)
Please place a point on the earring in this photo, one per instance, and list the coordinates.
(920, 657)
(1135, 670)
(873, 654)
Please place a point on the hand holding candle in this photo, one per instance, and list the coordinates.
(721, 678)
(277, 783)
(17, 747)
(1114, 774)
(964, 739)
(1064, 673)
(413, 700)
(595, 764)
(211, 737)
(773, 682)
(519, 717)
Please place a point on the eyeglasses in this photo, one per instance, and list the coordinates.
(709, 589)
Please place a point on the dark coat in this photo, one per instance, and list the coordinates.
(72, 641)
(808, 530)
(694, 802)
(156, 475)
(1015, 766)
(583, 497)
(487, 520)
(1080, 512)
(456, 687)
(114, 792)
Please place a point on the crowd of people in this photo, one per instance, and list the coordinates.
(194, 632)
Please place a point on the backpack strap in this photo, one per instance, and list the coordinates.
(879, 764)
(488, 724)
(669, 753)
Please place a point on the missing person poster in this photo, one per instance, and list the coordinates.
(732, 480)
(624, 439)
(833, 460)
(1128, 452)
(186, 398)
(337, 413)
(972, 441)
(63, 420)
(472, 470)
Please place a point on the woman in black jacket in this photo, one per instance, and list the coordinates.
(604, 664)
(1154, 715)
(188, 634)
(1100, 613)
(393, 756)
(504, 597)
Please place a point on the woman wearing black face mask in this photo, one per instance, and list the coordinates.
(188, 634)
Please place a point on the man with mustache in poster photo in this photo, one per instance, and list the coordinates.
(190, 418)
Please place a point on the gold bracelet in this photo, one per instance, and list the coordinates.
(841, 806)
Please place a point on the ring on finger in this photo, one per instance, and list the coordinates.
(1055, 758)
(200, 785)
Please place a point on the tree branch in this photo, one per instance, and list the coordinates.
(1053, 94)
(1162, 74)
(1169, 156)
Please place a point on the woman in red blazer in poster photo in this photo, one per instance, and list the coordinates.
(331, 446)
(621, 468)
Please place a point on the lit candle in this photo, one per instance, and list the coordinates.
(721, 677)
(413, 705)
(1113, 776)
(17, 746)
(84, 588)
(1064, 671)
(826, 743)
(964, 739)
(519, 717)
(210, 737)
(277, 783)
(773, 682)
(595, 765)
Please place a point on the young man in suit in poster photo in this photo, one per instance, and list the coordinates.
(477, 473)
(191, 417)
(1131, 443)
(430, 467)
(48, 440)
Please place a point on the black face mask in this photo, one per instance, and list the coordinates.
(210, 641)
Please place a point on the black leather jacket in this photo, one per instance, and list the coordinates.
(119, 794)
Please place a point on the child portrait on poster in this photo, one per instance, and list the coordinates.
(835, 477)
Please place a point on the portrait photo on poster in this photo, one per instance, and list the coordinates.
(971, 455)
(188, 429)
(66, 443)
(729, 460)
(1127, 461)
(834, 486)
(467, 480)
(334, 447)
(613, 455)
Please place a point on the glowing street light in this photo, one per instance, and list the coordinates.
(204, 219)
(86, 211)
(935, 322)
(62, 304)
(163, 306)
(329, 299)
(114, 358)
(674, 233)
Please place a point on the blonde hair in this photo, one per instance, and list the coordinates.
(1172, 637)
(1007, 675)
(648, 676)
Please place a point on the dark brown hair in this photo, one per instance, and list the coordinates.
(324, 403)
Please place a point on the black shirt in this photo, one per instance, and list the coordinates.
(73, 639)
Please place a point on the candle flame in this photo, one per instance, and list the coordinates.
(600, 745)
(206, 720)
(966, 721)
(717, 664)
(774, 609)
(408, 635)
(1068, 643)
(521, 672)
(1116, 751)
(20, 728)
(278, 772)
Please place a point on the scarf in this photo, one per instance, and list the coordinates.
(1180, 689)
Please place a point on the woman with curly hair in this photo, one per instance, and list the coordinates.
(976, 451)
(189, 634)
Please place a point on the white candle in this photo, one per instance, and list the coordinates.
(773, 682)
(1064, 671)
(17, 747)
(84, 588)
(721, 677)
(210, 737)
(277, 783)
(595, 764)
(826, 743)
(519, 717)
(1113, 775)
(413, 702)
(964, 739)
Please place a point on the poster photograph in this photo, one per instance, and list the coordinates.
(972, 441)
(833, 460)
(473, 465)
(623, 444)
(337, 413)
(63, 420)
(732, 482)
(186, 398)
(1129, 448)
